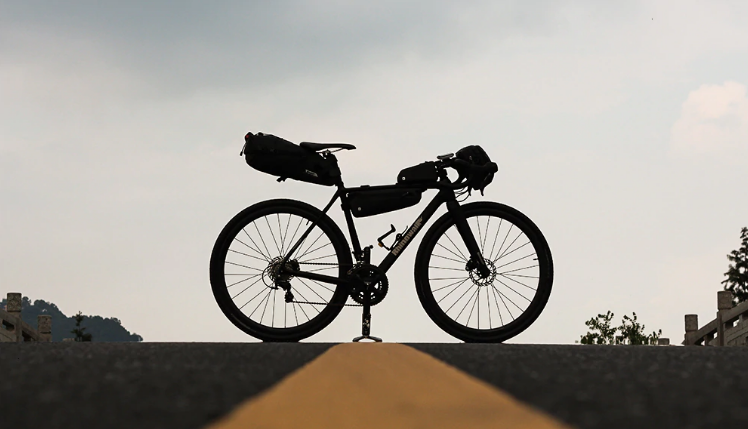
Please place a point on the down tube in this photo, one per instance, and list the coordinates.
(429, 211)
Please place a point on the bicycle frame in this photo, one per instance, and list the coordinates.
(445, 195)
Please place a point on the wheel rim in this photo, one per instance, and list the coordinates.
(489, 302)
(250, 270)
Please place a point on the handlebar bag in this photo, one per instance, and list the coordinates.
(374, 202)
(274, 155)
(421, 173)
(477, 156)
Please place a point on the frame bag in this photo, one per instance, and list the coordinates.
(274, 155)
(422, 173)
(374, 202)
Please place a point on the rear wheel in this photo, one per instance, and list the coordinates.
(245, 270)
(476, 307)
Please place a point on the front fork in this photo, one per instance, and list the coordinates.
(476, 257)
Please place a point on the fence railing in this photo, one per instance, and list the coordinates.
(14, 329)
(729, 328)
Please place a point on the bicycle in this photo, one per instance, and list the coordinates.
(286, 256)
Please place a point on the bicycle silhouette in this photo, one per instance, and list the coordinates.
(282, 270)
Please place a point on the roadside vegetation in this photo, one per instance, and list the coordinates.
(631, 332)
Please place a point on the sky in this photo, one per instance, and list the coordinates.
(621, 130)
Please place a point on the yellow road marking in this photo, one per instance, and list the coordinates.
(383, 386)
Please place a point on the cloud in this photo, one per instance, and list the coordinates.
(714, 120)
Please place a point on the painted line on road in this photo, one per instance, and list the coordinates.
(383, 385)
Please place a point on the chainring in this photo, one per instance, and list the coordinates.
(362, 277)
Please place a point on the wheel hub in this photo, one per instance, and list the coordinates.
(481, 280)
(272, 276)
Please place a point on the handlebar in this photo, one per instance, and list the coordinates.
(467, 170)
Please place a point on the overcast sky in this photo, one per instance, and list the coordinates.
(621, 129)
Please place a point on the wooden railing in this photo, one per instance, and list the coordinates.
(729, 328)
(14, 329)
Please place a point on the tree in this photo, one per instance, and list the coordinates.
(80, 335)
(631, 331)
(737, 275)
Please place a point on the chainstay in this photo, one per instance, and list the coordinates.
(326, 303)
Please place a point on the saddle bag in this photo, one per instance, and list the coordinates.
(274, 155)
(422, 173)
(374, 202)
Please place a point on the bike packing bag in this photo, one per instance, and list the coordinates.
(421, 173)
(374, 202)
(477, 156)
(274, 155)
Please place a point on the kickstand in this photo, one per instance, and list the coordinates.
(366, 323)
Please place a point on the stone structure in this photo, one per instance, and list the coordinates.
(14, 329)
(729, 328)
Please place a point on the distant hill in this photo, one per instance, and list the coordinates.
(102, 330)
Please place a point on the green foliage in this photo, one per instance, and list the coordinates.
(601, 324)
(737, 275)
(102, 329)
(80, 335)
(631, 331)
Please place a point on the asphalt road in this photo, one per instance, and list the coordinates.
(615, 386)
(136, 385)
(188, 385)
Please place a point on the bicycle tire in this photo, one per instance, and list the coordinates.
(254, 262)
(509, 278)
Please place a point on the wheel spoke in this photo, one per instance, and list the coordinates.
(490, 255)
(242, 281)
(313, 291)
(509, 253)
(458, 299)
(256, 281)
(449, 259)
(244, 254)
(512, 289)
(517, 269)
(445, 268)
(450, 293)
(504, 241)
(466, 304)
(516, 260)
(270, 229)
(243, 266)
(502, 300)
(463, 258)
(480, 236)
(261, 239)
(265, 257)
(451, 284)
(510, 245)
(517, 281)
(498, 307)
(456, 247)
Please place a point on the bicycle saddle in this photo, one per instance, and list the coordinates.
(321, 146)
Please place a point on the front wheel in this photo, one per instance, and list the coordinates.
(476, 307)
